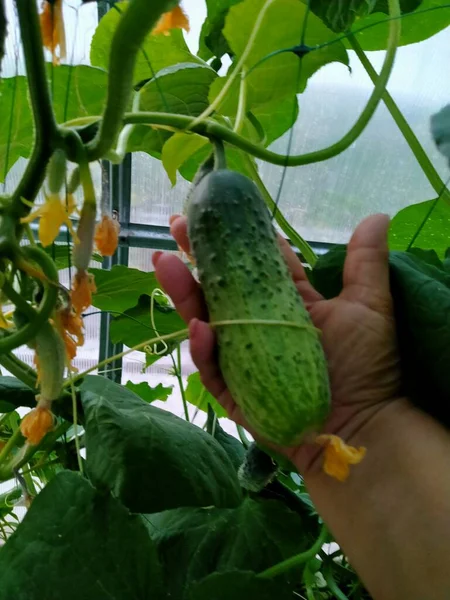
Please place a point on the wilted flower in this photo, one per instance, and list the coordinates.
(52, 28)
(174, 19)
(338, 456)
(106, 235)
(83, 287)
(36, 424)
(53, 213)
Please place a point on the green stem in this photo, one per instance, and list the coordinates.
(309, 580)
(416, 148)
(299, 559)
(240, 115)
(307, 252)
(180, 383)
(10, 444)
(237, 70)
(46, 132)
(331, 583)
(244, 439)
(19, 369)
(136, 22)
(10, 497)
(36, 317)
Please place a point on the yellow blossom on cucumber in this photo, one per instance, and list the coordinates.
(338, 456)
(53, 214)
(52, 29)
(174, 19)
(70, 327)
(106, 235)
(37, 423)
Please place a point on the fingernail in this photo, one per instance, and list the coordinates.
(156, 256)
(173, 218)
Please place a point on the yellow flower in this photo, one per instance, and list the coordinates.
(36, 424)
(338, 456)
(106, 235)
(53, 214)
(52, 28)
(174, 19)
(70, 327)
(83, 287)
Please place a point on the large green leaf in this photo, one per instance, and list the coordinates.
(197, 394)
(281, 28)
(149, 458)
(77, 92)
(157, 51)
(181, 88)
(232, 446)
(239, 585)
(178, 149)
(149, 394)
(77, 543)
(340, 16)
(121, 287)
(212, 40)
(434, 235)
(421, 294)
(135, 326)
(419, 25)
(193, 543)
(15, 394)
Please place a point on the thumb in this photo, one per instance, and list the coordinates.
(366, 269)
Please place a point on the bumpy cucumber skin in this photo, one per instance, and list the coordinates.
(277, 375)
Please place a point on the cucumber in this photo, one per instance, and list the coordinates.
(277, 374)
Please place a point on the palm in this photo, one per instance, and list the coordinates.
(358, 332)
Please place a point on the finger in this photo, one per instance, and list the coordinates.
(366, 269)
(302, 283)
(178, 229)
(202, 343)
(177, 281)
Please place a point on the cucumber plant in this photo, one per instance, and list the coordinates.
(121, 496)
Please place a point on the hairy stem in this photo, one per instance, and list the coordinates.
(137, 21)
(299, 559)
(416, 148)
(46, 131)
(19, 369)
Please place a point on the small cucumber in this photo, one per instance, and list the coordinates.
(277, 374)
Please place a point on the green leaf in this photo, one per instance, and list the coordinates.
(178, 149)
(149, 394)
(281, 28)
(61, 254)
(239, 585)
(151, 459)
(15, 394)
(197, 394)
(157, 51)
(193, 543)
(212, 40)
(135, 326)
(72, 534)
(421, 294)
(77, 92)
(277, 117)
(340, 16)
(232, 446)
(435, 234)
(440, 129)
(121, 287)
(416, 27)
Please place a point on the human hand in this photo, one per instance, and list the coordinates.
(358, 330)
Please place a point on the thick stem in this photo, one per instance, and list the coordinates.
(19, 369)
(299, 559)
(136, 22)
(46, 131)
(416, 148)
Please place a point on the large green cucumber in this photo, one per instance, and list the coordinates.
(276, 374)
